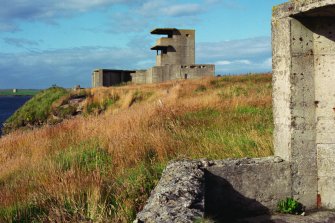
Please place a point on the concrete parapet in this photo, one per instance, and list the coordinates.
(159, 74)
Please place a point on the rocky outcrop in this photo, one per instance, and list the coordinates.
(179, 196)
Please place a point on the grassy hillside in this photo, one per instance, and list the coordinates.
(101, 166)
(36, 111)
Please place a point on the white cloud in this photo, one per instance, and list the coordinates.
(237, 56)
(242, 66)
(182, 10)
(247, 62)
(83, 5)
(227, 62)
(223, 62)
(150, 8)
(235, 49)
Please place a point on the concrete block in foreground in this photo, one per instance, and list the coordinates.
(223, 190)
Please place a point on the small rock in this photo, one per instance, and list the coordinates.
(277, 159)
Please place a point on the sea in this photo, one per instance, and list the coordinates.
(8, 105)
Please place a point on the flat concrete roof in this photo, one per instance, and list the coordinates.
(162, 31)
(131, 71)
(159, 47)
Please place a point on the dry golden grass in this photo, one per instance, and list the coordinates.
(102, 167)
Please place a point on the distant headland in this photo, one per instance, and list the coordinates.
(18, 92)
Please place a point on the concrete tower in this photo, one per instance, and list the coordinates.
(178, 47)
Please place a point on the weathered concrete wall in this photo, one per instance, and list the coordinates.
(97, 79)
(246, 187)
(187, 50)
(224, 190)
(324, 62)
(303, 97)
(139, 77)
(303, 152)
(159, 74)
(281, 86)
(197, 70)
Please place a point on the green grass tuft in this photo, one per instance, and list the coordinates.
(22, 213)
(85, 157)
(290, 206)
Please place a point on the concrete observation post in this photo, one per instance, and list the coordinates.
(303, 38)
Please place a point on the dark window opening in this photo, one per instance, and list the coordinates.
(163, 51)
(185, 76)
(187, 35)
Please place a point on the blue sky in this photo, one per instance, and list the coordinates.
(45, 42)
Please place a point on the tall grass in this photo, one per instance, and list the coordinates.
(102, 166)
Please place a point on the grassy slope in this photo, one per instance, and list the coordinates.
(103, 167)
(36, 110)
(20, 92)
